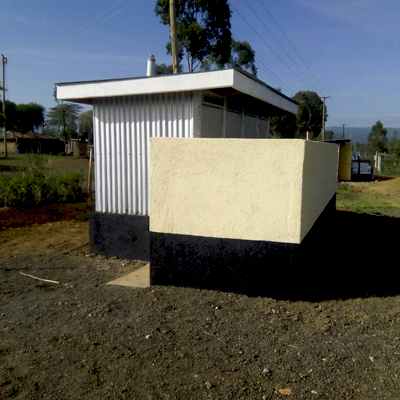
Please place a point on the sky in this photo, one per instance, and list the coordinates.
(346, 49)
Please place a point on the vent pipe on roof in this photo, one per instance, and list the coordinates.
(151, 65)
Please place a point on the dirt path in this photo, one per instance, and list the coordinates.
(83, 339)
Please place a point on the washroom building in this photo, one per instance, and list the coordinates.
(128, 112)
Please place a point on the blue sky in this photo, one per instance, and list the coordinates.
(350, 46)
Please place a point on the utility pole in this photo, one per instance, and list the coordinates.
(343, 130)
(174, 39)
(4, 62)
(323, 116)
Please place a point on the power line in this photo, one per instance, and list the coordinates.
(291, 44)
(85, 26)
(298, 54)
(337, 108)
(94, 20)
(273, 76)
(268, 71)
(278, 43)
(276, 54)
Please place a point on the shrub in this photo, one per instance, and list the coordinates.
(40, 185)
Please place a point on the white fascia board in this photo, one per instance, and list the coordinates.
(80, 91)
(244, 84)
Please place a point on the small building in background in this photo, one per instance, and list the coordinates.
(76, 148)
(32, 142)
(11, 142)
(128, 112)
(345, 158)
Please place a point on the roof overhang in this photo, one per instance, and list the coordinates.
(86, 92)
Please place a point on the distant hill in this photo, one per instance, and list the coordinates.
(359, 134)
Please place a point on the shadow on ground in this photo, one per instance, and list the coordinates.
(345, 255)
(359, 257)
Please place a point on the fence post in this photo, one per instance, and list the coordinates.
(90, 194)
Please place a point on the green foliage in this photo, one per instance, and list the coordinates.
(40, 185)
(29, 116)
(203, 28)
(377, 140)
(63, 118)
(362, 148)
(85, 121)
(390, 166)
(242, 57)
(284, 126)
(23, 117)
(394, 145)
(329, 135)
(10, 115)
(163, 69)
(309, 117)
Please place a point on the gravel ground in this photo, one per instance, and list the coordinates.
(83, 339)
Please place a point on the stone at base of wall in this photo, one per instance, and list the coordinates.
(120, 235)
(281, 270)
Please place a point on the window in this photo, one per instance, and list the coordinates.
(212, 99)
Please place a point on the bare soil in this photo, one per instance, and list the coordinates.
(82, 339)
(389, 187)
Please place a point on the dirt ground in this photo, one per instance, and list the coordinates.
(388, 187)
(82, 339)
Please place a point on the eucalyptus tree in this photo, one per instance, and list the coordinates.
(203, 28)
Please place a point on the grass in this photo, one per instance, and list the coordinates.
(62, 163)
(391, 167)
(357, 200)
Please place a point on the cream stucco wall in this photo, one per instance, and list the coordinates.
(320, 173)
(237, 188)
(345, 155)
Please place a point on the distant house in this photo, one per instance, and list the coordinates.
(76, 148)
(11, 142)
(31, 142)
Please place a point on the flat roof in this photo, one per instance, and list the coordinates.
(87, 91)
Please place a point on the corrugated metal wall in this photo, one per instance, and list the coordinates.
(122, 129)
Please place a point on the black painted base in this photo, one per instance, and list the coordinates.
(123, 236)
(252, 267)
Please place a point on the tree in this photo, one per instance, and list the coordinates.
(242, 57)
(284, 126)
(10, 116)
(377, 140)
(361, 147)
(394, 144)
(203, 28)
(329, 135)
(29, 117)
(163, 69)
(23, 117)
(309, 116)
(85, 121)
(63, 120)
